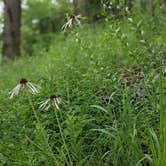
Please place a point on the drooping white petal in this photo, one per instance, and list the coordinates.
(66, 25)
(56, 104)
(70, 23)
(77, 20)
(15, 91)
(35, 85)
(46, 108)
(43, 101)
(78, 16)
(44, 104)
(58, 100)
(32, 87)
(12, 95)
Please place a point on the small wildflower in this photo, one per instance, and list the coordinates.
(130, 19)
(118, 7)
(52, 100)
(24, 83)
(71, 20)
(142, 32)
(127, 9)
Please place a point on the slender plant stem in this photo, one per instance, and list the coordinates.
(68, 93)
(41, 129)
(61, 133)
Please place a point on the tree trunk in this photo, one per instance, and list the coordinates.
(11, 31)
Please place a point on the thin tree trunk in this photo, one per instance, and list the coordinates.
(11, 31)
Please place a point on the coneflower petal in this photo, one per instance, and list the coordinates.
(70, 23)
(44, 103)
(32, 88)
(15, 91)
(47, 107)
(58, 100)
(67, 24)
(12, 95)
(64, 26)
(56, 105)
(77, 20)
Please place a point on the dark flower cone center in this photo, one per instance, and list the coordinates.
(23, 81)
(52, 97)
(72, 16)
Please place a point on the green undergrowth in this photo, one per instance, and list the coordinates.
(109, 79)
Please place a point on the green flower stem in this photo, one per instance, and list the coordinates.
(41, 129)
(61, 133)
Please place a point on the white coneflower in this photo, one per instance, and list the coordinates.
(71, 20)
(24, 83)
(52, 100)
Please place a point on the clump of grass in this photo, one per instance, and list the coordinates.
(158, 143)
